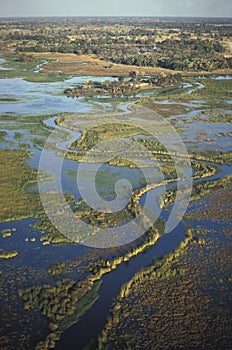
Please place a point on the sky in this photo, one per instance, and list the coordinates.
(201, 8)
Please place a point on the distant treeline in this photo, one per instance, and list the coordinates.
(177, 44)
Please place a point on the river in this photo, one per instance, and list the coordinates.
(93, 321)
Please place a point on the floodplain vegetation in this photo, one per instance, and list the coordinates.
(15, 204)
(64, 303)
(181, 300)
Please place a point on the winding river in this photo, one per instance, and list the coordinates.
(93, 321)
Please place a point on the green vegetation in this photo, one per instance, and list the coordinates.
(99, 268)
(180, 293)
(104, 133)
(62, 304)
(212, 156)
(18, 66)
(15, 203)
(113, 131)
(214, 116)
(7, 255)
(227, 134)
(160, 153)
(200, 189)
(3, 134)
(57, 268)
(33, 128)
(158, 270)
(204, 188)
(123, 88)
(213, 90)
(50, 235)
(7, 232)
(25, 58)
(202, 170)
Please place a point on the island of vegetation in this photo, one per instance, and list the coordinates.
(121, 87)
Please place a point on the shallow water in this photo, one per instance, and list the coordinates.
(2, 61)
(40, 98)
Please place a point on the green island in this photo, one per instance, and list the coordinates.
(122, 87)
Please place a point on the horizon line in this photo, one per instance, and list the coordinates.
(115, 16)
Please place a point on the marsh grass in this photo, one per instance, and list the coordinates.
(26, 70)
(104, 133)
(62, 304)
(15, 203)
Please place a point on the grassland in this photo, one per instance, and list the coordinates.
(15, 203)
(104, 133)
(73, 64)
(212, 91)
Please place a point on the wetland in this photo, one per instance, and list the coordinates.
(171, 141)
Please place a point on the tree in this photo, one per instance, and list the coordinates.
(133, 75)
(121, 79)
